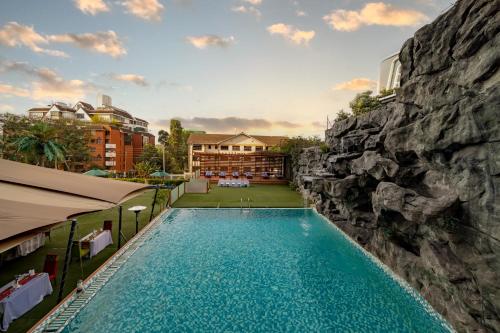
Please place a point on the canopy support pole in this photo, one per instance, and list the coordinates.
(67, 259)
(153, 205)
(119, 226)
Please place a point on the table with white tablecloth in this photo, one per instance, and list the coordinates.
(23, 299)
(31, 244)
(99, 242)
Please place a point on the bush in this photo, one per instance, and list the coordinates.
(153, 181)
(342, 115)
(133, 180)
(364, 103)
(324, 148)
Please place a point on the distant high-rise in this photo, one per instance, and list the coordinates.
(104, 100)
(390, 73)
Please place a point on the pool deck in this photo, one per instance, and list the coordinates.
(59, 317)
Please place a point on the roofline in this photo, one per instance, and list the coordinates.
(388, 57)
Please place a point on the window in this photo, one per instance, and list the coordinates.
(92, 149)
(224, 147)
(209, 146)
(80, 116)
(258, 148)
(237, 148)
(247, 148)
(196, 147)
(98, 141)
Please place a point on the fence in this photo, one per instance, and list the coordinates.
(197, 186)
(177, 192)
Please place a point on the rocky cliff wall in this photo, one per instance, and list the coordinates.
(417, 181)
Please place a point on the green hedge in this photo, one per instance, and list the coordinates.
(153, 181)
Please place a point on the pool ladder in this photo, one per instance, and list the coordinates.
(241, 203)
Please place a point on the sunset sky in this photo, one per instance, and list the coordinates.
(260, 66)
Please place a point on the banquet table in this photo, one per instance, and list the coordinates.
(16, 302)
(99, 242)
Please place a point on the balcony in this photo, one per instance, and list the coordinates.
(111, 145)
(110, 154)
(110, 163)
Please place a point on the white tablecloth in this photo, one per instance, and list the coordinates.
(100, 242)
(23, 299)
(31, 244)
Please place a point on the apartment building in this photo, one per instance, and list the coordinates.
(117, 138)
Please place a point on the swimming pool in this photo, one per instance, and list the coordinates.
(258, 270)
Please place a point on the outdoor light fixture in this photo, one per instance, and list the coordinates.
(137, 210)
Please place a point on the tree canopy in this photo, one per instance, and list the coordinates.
(45, 143)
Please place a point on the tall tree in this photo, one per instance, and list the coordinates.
(163, 137)
(74, 137)
(14, 127)
(151, 154)
(176, 146)
(39, 142)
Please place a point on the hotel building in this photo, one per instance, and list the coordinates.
(224, 154)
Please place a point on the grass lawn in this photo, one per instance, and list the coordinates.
(57, 244)
(271, 196)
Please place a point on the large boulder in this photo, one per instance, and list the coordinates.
(375, 165)
(412, 206)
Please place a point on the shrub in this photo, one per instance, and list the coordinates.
(342, 115)
(364, 103)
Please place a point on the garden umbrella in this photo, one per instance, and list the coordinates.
(96, 173)
(160, 174)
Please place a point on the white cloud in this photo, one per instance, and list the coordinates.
(356, 84)
(202, 42)
(374, 13)
(133, 78)
(6, 108)
(300, 13)
(254, 2)
(14, 34)
(91, 7)
(149, 10)
(247, 10)
(106, 42)
(47, 84)
(289, 32)
(8, 90)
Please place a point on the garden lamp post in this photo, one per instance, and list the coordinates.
(137, 210)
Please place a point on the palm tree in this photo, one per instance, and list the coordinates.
(39, 142)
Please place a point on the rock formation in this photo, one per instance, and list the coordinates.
(417, 181)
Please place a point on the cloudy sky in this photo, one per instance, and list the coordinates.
(261, 66)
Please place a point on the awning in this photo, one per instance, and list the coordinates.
(32, 197)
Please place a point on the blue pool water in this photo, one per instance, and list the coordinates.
(214, 270)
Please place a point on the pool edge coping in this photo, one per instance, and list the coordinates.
(59, 308)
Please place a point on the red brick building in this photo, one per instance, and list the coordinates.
(116, 149)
